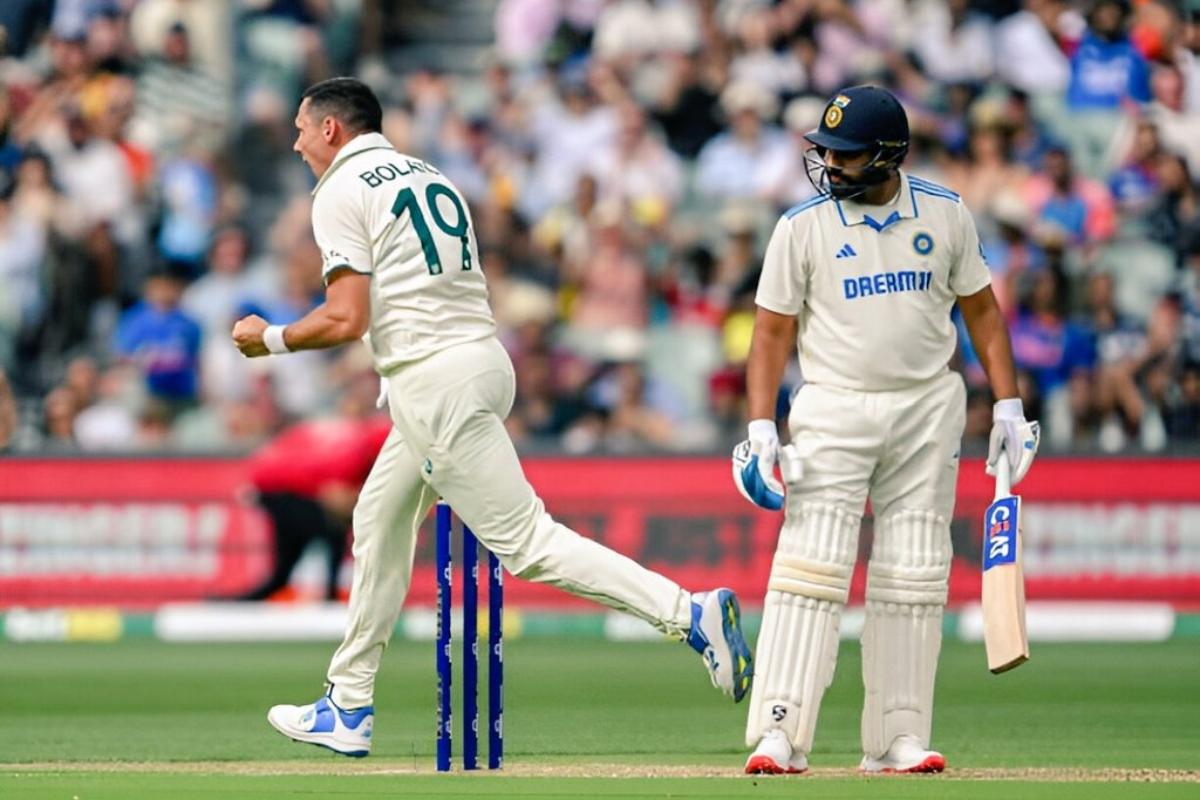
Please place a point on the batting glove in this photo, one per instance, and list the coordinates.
(754, 466)
(1013, 438)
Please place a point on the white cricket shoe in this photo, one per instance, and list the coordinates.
(905, 755)
(326, 725)
(774, 756)
(716, 634)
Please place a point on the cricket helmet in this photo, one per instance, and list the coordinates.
(858, 119)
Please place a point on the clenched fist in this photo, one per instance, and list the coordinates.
(248, 336)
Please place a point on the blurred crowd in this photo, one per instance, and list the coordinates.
(625, 161)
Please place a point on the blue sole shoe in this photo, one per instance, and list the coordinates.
(716, 634)
(325, 725)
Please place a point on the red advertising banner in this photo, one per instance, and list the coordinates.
(127, 532)
(137, 533)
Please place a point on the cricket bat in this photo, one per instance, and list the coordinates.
(1003, 598)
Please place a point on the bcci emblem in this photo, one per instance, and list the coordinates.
(923, 244)
(833, 114)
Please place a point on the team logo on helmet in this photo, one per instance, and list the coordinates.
(833, 114)
(923, 243)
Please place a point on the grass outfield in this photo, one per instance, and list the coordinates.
(584, 718)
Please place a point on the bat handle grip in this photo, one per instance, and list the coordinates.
(1003, 476)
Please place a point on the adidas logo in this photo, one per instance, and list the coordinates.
(846, 252)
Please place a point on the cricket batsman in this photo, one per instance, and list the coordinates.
(862, 278)
(402, 263)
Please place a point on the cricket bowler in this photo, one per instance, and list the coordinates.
(400, 261)
(862, 278)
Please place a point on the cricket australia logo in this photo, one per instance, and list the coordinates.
(1000, 534)
(333, 259)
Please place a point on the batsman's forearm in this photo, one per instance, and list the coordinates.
(989, 334)
(769, 351)
(321, 328)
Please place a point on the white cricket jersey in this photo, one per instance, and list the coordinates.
(872, 286)
(396, 218)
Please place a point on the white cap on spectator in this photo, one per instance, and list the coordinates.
(988, 112)
(803, 114)
(1009, 208)
(608, 213)
(737, 218)
(621, 344)
(745, 96)
(523, 302)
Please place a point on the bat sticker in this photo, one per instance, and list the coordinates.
(1000, 533)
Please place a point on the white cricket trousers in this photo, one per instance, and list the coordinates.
(448, 440)
(900, 450)
(900, 447)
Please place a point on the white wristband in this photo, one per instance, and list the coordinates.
(273, 339)
(1009, 408)
(762, 429)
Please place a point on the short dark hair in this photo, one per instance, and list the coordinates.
(348, 100)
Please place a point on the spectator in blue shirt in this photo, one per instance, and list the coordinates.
(1045, 344)
(1059, 355)
(1107, 70)
(162, 340)
(189, 192)
(1136, 185)
(10, 152)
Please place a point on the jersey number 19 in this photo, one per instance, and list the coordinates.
(406, 200)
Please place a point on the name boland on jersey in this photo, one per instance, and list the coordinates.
(396, 218)
(872, 286)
